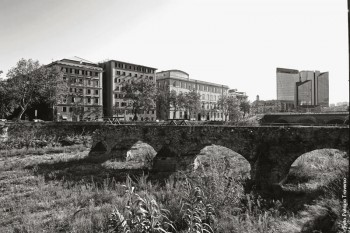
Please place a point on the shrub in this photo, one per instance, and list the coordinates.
(140, 214)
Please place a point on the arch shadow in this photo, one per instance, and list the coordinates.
(99, 165)
(281, 121)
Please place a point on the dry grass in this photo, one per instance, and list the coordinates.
(33, 202)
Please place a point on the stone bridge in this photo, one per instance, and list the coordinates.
(270, 150)
(335, 118)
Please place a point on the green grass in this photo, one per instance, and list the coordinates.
(211, 197)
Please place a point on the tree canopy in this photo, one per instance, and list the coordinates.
(244, 107)
(192, 102)
(29, 83)
(229, 105)
(140, 94)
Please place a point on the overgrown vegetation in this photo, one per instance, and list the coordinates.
(210, 199)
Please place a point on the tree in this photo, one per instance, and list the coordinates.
(54, 89)
(233, 109)
(229, 105)
(244, 107)
(192, 102)
(164, 101)
(30, 83)
(25, 84)
(7, 105)
(140, 94)
(223, 105)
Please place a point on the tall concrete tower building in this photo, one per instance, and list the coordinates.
(305, 88)
(286, 80)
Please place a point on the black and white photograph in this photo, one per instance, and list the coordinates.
(174, 116)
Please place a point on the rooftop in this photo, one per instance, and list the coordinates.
(288, 71)
(128, 63)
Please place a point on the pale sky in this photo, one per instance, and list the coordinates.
(238, 43)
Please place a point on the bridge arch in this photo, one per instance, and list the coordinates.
(336, 121)
(310, 165)
(293, 159)
(307, 120)
(222, 159)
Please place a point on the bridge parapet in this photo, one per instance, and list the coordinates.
(337, 118)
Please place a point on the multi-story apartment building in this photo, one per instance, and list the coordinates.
(179, 81)
(241, 96)
(84, 97)
(305, 88)
(115, 74)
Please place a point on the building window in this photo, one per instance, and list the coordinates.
(89, 99)
(88, 91)
(135, 75)
(64, 109)
(124, 73)
(70, 89)
(117, 104)
(96, 100)
(72, 99)
(123, 104)
(130, 74)
(118, 72)
(115, 96)
(71, 70)
(70, 109)
(96, 74)
(96, 92)
(64, 78)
